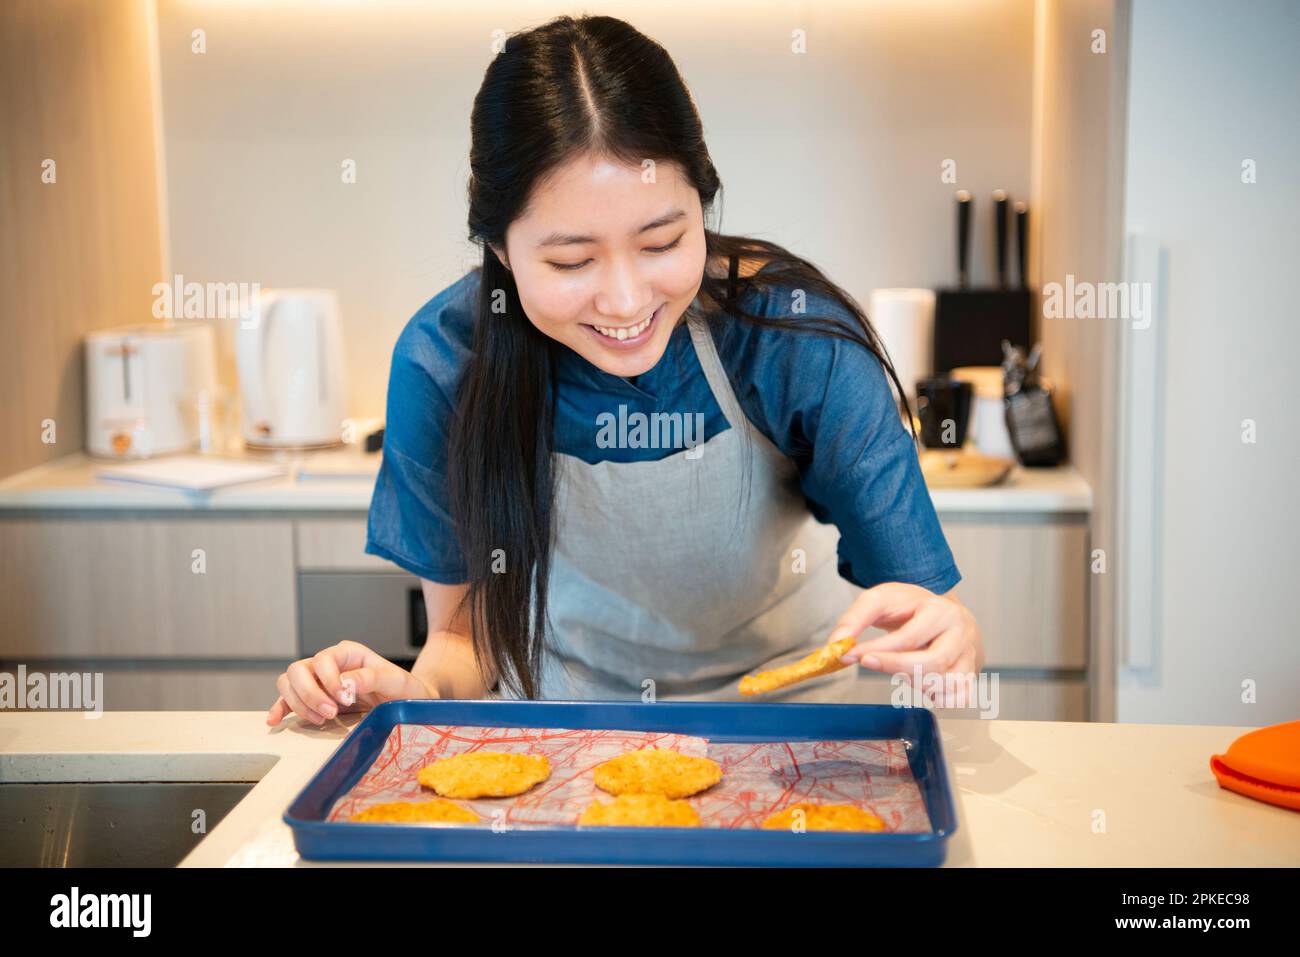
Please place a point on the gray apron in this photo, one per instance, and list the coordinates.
(686, 571)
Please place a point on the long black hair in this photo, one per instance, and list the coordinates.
(571, 86)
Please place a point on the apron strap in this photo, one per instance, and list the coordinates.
(715, 373)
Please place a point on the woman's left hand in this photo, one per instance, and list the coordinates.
(936, 632)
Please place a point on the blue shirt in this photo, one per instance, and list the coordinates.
(824, 402)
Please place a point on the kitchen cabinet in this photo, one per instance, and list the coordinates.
(133, 586)
(97, 576)
(1018, 697)
(1025, 579)
(336, 545)
(173, 685)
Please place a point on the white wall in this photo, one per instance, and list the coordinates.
(835, 153)
(1213, 83)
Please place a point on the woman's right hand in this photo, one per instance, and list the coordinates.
(317, 688)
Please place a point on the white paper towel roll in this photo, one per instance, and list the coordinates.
(904, 319)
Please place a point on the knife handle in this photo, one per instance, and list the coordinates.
(1022, 241)
(1000, 219)
(964, 203)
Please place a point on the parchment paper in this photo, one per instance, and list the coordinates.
(758, 779)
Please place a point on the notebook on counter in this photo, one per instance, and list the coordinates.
(193, 473)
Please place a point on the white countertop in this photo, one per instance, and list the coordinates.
(1028, 793)
(70, 483)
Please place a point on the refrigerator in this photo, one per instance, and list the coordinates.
(1208, 611)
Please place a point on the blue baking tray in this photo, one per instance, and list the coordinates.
(319, 839)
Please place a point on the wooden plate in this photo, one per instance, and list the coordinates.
(945, 468)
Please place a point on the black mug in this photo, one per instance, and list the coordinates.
(943, 405)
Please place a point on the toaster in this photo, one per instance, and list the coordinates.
(142, 387)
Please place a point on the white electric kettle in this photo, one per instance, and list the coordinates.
(289, 353)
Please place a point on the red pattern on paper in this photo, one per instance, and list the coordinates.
(758, 779)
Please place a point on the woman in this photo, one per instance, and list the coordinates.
(629, 456)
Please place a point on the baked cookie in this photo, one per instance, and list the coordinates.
(825, 817)
(821, 662)
(414, 812)
(656, 771)
(477, 774)
(641, 810)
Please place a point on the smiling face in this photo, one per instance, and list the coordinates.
(606, 263)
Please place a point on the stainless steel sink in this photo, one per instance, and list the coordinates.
(109, 824)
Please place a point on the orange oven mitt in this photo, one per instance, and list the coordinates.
(1263, 764)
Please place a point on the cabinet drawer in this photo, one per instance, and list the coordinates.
(336, 544)
(162, 688)
(1026, 581)
(1018, 699)
(139, 587)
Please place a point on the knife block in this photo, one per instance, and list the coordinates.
(970, 324)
